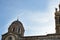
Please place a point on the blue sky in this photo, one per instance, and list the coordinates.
(37, 16)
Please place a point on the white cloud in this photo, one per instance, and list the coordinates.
(38, 22)
(46, 18)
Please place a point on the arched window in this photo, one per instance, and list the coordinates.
(10, 38)
(13, 29)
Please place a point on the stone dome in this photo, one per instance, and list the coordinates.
(16, 27)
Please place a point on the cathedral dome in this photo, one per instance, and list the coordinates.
(16, 27)
(16, 24)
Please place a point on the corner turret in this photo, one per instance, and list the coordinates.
(57, 20)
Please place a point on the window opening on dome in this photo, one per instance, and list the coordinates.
(10, 38)
(13, 29)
